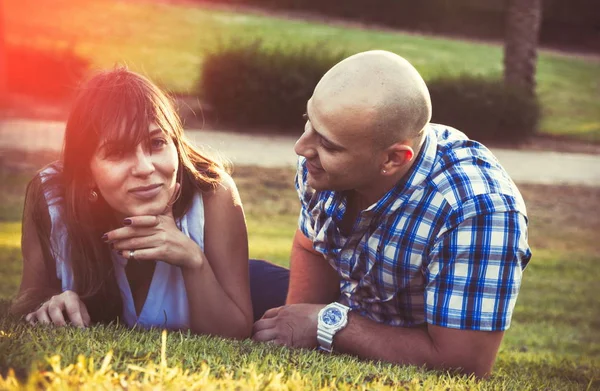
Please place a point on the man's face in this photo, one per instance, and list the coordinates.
(339, 150)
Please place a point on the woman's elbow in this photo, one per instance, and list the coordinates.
(244, 328)
(239, 328)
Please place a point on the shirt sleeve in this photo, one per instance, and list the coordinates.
(475, 270)
(305, 193)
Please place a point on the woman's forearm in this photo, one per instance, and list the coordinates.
(212, 311)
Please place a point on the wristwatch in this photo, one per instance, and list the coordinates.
(331, 319)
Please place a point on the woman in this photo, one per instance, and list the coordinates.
(134, 222)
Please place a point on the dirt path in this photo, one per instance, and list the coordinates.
(535, 167)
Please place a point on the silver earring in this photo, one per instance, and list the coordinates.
(383, 171)
(93, 196)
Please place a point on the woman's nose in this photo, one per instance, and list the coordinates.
(143, 164)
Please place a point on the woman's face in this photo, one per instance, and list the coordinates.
(140, 181)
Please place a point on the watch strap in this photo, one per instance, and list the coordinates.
(325, 334)
(325, 339)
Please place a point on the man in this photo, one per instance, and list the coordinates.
(412, 239)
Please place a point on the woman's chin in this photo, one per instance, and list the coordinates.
(153, 209)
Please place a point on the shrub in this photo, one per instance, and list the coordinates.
(248, 84)
(486, 110)
(251, 86)
(45, 73)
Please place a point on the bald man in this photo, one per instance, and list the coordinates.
(412, 238)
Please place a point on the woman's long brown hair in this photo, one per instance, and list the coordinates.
(117, 106)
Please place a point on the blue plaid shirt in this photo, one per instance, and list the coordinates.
(447, 245)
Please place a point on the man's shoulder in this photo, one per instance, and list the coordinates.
(453, 146)
(466, 172)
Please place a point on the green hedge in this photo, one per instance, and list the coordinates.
(484, 109)
(257, 88)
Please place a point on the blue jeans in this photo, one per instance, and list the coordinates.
(268, 286)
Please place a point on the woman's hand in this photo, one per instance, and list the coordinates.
(53, 311)
(156, 238)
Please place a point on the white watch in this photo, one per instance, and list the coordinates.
(331, 319)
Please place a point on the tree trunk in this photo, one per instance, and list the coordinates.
(523, 19)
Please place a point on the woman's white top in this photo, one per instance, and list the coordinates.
(166, 305)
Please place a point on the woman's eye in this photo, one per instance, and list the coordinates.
(115, 153)
(158, 143)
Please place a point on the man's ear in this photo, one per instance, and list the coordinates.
(398, 156)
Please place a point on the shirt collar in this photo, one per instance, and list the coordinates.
(415, 176)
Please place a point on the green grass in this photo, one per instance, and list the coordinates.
(169, 42)
(553, 343)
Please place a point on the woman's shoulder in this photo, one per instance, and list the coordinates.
(42, 199)
(226, 188)
(224, 195)
(46, 183)
(49, 173)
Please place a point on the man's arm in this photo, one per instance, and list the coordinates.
(488, 252)
(313, 284)
(312, 279)
(474, 352)
(435, 347)
(472, 282)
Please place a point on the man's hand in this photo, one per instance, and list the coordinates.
(54, 310)
(292, 325)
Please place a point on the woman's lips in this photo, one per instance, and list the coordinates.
(146, 192)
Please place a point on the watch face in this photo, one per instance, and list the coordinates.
(332, 316)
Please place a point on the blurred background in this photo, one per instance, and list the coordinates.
(501, 71)
(521, 75)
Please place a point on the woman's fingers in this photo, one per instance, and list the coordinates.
(72, 306)
(84, 314)
(54, 310)
(141, 221)
(143, 254)
(127, 232)
(177, 256)
(31, 318)
(41, 316)
(137, 243)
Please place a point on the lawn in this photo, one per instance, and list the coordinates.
(553, 343)
(168, 42)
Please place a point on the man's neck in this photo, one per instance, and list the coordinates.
(376, 189)
(373, 192)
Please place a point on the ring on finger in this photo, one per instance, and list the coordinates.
(132, 255)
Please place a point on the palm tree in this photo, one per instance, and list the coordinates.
(523, 19)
